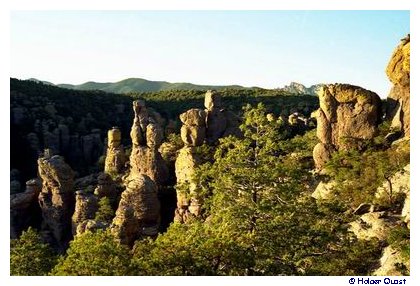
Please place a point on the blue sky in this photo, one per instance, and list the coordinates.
(251, 48)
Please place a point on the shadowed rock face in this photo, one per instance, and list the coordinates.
(56, 198)
(347, 115)
(138, 212)
(398, 72)
(85, 209)
(21, 207)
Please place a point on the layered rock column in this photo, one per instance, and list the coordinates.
(398, 72)
(347, 116)
(115, 156)
(146, 137)
(193, 133)
(57, 197)
(138, 212)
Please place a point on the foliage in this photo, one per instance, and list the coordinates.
(190, 249)
(94, 253)
(359, 174)
(260, 219)
(29, 255)
(105, 213)
(399, 238)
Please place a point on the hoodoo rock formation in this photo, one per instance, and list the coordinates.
(398, 72)
(347, 116)
(57, 197)
(138, 213)
(199, 126)
(146, 136)
(115, 156)
(193, 130)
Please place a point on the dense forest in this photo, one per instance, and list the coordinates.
(227, 182)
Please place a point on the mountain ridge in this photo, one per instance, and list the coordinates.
(133, 84)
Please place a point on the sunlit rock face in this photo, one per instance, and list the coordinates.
(347, 116)
(56, 198)
(138, 213)
(398, 72)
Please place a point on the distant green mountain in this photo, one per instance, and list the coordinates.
(139, 85)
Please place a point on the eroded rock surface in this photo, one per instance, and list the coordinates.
(138, 213)
(347, 116)
(57, 197)
(20, 207)
(115, 156)
(187, 202)
(398, 72)
(85, 208)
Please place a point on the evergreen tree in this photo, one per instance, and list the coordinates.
(94, 253)
(30, 256)
(105, 213)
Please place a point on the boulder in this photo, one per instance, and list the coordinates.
(56, 198)
(348, 115)
(154, 135)
(194, 117)
(138, 213)
(324, 190)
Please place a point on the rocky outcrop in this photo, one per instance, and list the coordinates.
(146, 137)
(187, 202)
(300, 89)
(90, 225)
(398, 72)
(199, 126)
(21, 205)
(106, 187)
(85, 208)
(56, 198)
(324, 190)
(138, 212)
(347, 116)
(115, 156)
(399, 183)
(389, 261)
(374, 225)
(148, 161)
